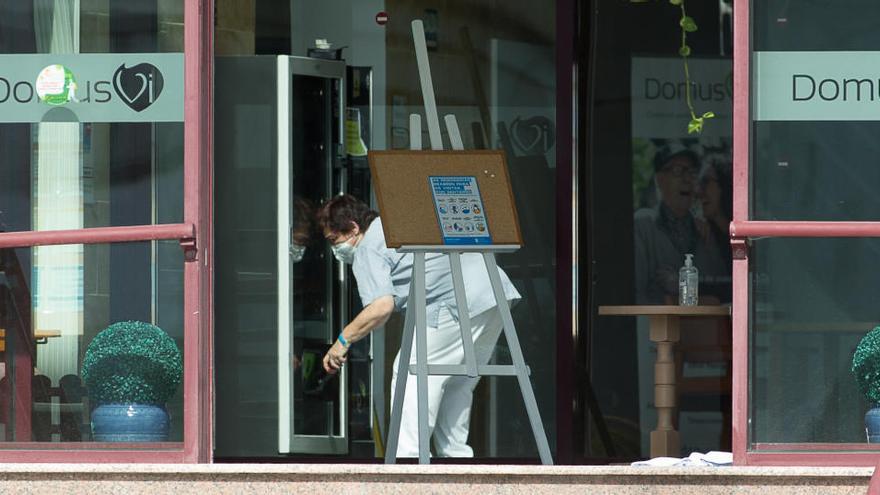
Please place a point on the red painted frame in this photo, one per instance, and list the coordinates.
(195, 235)
(566, 194)
(741, 229)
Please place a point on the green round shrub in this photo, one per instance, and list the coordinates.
(132, 362)
(866, 365)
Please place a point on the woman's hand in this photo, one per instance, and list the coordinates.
(374, 315)
(335, 358)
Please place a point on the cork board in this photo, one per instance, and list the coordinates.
(406, 203)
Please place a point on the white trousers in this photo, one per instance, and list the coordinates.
(449, 397)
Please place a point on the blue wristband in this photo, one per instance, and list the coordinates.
(342, 340)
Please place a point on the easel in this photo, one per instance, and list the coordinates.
(415, 321)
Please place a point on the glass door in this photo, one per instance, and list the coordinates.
(312, 404)
(277, 285)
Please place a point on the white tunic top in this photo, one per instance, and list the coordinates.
(381, 271)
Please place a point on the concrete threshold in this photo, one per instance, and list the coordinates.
(338, 479)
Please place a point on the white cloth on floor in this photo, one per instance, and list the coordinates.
(710, 459)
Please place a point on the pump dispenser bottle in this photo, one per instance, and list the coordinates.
(688, 282)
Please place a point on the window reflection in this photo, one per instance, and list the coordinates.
(656, 193)
(53, 301)
(808, 316)
(60, 171)
(684, 209)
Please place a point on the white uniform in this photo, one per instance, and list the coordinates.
(381, 271)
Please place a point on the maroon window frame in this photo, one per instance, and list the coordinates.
(195, 236)
(741, 229)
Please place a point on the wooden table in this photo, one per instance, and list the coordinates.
(664, 324)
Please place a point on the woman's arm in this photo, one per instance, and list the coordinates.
(373, 316)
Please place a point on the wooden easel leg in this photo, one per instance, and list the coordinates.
(400, 386)
(421, 330)
(464, 319)
(519, 364)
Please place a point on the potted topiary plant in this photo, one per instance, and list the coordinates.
(131, 369)
(866, 369)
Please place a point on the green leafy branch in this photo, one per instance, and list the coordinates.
(689, 26)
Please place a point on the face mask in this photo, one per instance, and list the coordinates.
(297, 252)
(344, 252)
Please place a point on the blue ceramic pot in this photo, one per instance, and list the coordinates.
(872, 424)
(130, 423)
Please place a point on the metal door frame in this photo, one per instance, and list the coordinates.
(288, 441)
(743, 229)
(195, 236)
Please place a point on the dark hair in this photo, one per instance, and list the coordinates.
(338, 213)
(666, 153)
(303, 221)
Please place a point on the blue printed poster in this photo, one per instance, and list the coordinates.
(460, 210)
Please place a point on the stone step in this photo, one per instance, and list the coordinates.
(314, 479)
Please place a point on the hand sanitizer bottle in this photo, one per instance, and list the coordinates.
(688, 282)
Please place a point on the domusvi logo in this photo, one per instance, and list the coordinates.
(816, 86)
(138, 86)
(92, 87)
(805, 87)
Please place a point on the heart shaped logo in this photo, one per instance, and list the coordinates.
(533, 136)
(138, 86)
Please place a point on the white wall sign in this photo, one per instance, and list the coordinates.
(813, 86)
(659, 97)
(113, 87)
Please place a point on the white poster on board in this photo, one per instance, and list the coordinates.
(460, 210)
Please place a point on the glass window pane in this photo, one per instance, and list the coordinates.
(91, 114)
(812, 300)
(815, 171)
(55, 302)
(815, 25)
(812, 143)
(656, 193)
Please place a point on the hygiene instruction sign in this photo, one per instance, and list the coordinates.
(460, 210)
